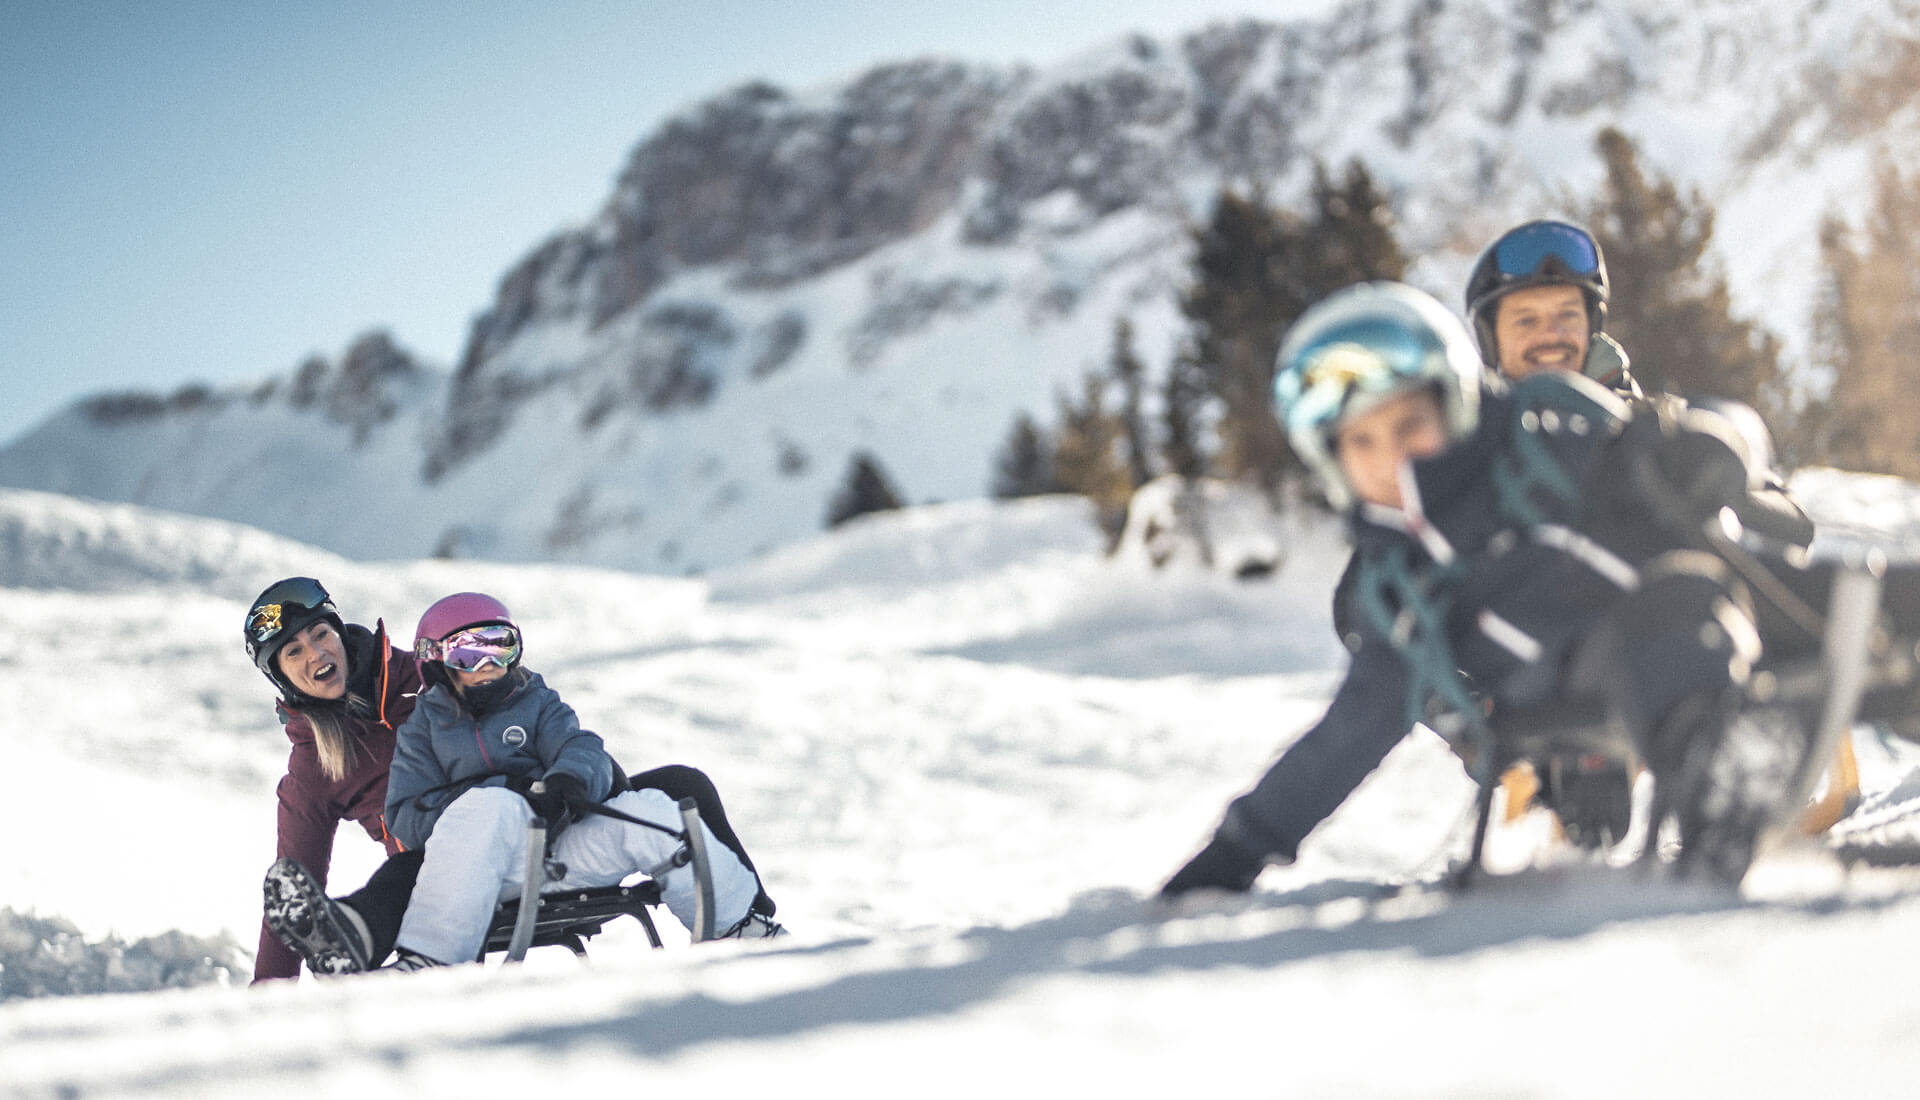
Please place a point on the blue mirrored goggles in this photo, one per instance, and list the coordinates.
(1528, 249)
(1364, 357)
(474, 648)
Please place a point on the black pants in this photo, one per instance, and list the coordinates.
(383, 900)
(1698, 624)
(1698, 627)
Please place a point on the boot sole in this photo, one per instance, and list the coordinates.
(299, 912)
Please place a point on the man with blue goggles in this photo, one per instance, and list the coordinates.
(1537, 298)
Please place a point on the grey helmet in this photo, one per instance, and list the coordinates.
(1355, 349)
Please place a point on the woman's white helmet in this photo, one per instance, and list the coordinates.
(1358, 347)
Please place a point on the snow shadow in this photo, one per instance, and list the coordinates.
(1150, 652)
(1125, 936)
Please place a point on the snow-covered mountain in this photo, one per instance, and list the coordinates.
(963, 743)
(902, 262)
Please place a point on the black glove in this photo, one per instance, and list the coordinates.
(1686, 468)
(560, 800)
(1219, 866)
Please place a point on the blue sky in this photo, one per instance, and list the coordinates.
(211, 191)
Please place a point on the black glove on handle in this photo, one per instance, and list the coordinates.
(1219, 866)
(1685, 467)
(559, 800)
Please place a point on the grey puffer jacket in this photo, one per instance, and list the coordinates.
(443, 749)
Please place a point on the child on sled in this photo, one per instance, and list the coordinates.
(465, 764)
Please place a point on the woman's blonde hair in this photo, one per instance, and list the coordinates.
(333, 739)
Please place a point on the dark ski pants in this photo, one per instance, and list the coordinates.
(383, 900)
(1698, 625)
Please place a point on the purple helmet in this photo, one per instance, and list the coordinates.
(460, 614)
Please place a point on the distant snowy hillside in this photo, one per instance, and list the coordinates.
(902, 262)
(1852, 512)
(963, 745)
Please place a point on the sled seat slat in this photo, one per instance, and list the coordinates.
(568, 918)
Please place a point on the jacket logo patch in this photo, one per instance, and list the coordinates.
(514, 736)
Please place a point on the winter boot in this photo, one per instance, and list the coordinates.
(1592, 795)
(330, 936)
(753, 926)
(1740, 780)
(406, 962)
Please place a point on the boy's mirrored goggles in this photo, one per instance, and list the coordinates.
(1528, 249)
(473, 649)
(1369, 357)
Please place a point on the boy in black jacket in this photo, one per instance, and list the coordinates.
(1533, 558)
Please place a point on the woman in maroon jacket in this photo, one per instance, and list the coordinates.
(343, 691)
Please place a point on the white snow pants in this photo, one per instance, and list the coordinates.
(477, 857)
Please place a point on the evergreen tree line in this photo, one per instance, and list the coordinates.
(1257, 267)
(1858, 404)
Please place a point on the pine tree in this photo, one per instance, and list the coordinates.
(1256, 270)
(1669, 302)
(1816, 382)
(1025, 465)
(1086, 454)
(1247, 288)
(1352, 231)
(1181, 395)
(1866, 327)
(866, 489)
(1130, 374)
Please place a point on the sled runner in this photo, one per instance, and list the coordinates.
(1856, 660)
(1839, 797)
(569, 918)
(1529, 747)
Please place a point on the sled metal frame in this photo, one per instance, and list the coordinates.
(1571, 728)
(568, 918)
(1855, 658)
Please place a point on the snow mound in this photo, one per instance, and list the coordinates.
(53, 542)
(901, 551)
(48, 957)
(1852, 512)
(1216, 524)
(964, 745)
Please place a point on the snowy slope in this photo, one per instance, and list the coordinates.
(963, 746)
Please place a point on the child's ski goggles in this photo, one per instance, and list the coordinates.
(474, 648)
(1526, 250)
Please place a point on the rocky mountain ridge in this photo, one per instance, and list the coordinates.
(901, 263)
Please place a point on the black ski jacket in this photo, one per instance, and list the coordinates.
(1515, 542)
(1766, 510)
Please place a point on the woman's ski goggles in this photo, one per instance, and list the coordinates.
(474, 648)
(289, 601)
(1528, 249)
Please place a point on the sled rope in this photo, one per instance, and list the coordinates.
(1418, 629)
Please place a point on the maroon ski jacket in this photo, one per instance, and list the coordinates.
(311, 805)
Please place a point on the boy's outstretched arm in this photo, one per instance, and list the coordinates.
(1310, 780)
